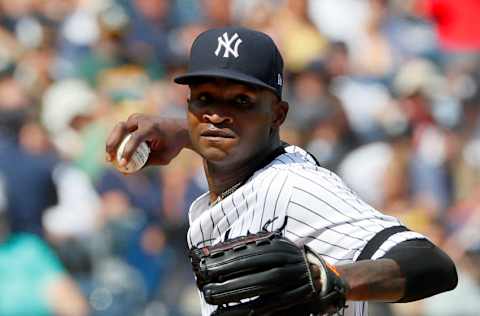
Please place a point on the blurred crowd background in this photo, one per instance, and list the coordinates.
(384, 92)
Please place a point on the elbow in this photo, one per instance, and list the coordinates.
(426, 268)
(441, 273)
(449, 275)
(437, 277)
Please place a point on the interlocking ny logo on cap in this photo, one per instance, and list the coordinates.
(226, 43)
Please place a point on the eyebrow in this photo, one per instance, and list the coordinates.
(232, 91)
(214, 82)
(227, 98)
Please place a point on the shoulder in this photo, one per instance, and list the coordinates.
(297, 166)
(292, 157)
(296, 154)
(29, 243)
(296, 170)
(305, 174)
(32, 248)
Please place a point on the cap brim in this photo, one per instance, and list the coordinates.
(191, 77)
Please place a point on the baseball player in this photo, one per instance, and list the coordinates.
(276, 234)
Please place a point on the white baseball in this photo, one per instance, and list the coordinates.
(138, 159)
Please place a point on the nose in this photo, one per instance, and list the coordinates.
(217, 118)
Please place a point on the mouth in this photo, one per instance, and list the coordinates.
(217, 133)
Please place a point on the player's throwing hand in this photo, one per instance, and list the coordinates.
(256, 182)
(165, 137)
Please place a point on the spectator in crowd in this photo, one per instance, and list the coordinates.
(320, 116)
(455, 21)
(26, 174)
(387, 93)
(33, 280)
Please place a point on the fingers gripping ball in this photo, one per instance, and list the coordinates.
(138, 159)
(265, 274)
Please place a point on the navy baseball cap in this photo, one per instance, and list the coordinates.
(236, 53)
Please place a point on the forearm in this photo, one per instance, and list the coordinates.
(178, 126)
(412, 270)
(379, 280)
(183, 133)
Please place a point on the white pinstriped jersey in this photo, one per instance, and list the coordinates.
(319, 209)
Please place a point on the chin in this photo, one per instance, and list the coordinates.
(214, 154)
(216, 151)
(221, 156)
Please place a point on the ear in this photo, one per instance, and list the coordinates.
(280, 110)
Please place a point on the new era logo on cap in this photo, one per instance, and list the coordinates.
(236, 53)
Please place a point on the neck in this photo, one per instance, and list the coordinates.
(221, 177)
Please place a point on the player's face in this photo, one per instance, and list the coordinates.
(230, 122)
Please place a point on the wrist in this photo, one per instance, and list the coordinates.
(172, 131)
(331, 288)
(183, 133)
(379, 280)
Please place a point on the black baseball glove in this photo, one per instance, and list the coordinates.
(266, 274)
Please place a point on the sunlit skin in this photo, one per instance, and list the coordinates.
(243, 124)
(233, 127)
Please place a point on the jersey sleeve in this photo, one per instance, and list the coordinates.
(328, 216)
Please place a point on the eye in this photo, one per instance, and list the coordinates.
(201, 100)
(243, 101)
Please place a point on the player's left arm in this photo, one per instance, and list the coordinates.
(411, 270)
